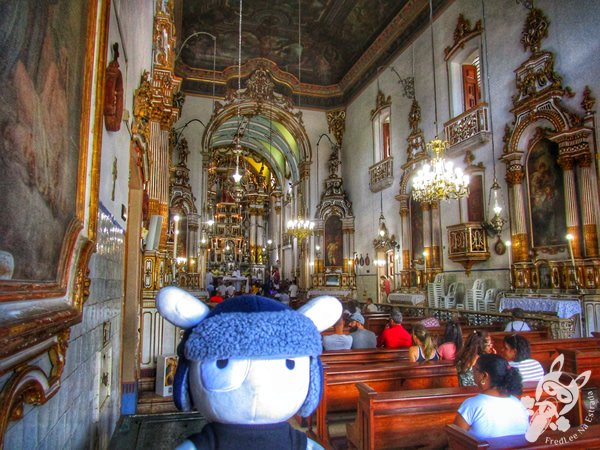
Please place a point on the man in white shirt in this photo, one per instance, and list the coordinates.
(371, 307)
(209, 280)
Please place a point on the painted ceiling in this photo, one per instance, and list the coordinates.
(334, 52)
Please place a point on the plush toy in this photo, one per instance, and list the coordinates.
(248, 366)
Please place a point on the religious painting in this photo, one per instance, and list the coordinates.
(546, 195)
(43, 52)
(334, 251)
(416, 229)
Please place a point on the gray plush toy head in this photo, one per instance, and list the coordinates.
(251, 360)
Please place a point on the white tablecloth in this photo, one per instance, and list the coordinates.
(338, 293)
(400, 297)
(564, 308)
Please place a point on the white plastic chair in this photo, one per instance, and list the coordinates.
(475, 295)
(488, 303)
(449, 300)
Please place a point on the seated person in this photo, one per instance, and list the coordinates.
(517, 352)
(452, 341)
(215, 297)
(394, 335)
(351, 308)
(495, 412)
(517, 323)
(467, 357)
(361, 337)
(371, 307)
(283, 296)
(423, 348)
(339, 340)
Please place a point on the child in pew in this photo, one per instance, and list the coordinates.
(423, 348)
(496, 411)
(517, 352)
(475, 345)
(452, 341)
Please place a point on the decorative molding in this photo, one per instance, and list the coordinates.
(381, 102)
(534, 30)
(336, 120)
(462, 33)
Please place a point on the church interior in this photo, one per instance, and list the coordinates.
(437, 156)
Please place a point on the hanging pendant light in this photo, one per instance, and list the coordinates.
(302, 227)
(439, 179)
(238, 148)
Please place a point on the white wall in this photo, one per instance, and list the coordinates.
(576, 59)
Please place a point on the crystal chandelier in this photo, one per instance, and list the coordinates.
(439, 180)
(300, 228)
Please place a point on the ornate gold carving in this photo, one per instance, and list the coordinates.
(414, 117)
(588, 101)
(566, 163)
(416, 140)
(462, 33)
(381, 101)
(337, 124)
(535, 29)
(32, 385)
(467, 244)
(506, 138)
(584, 161)
(520, 247)
(590, 237)
(515, 174)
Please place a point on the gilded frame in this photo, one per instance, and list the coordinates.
(38, 308)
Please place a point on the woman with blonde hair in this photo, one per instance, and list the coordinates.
(423, 348)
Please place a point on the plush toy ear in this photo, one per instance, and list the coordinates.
(180, 308)
(324, 311)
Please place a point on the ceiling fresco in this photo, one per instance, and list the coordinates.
(342, 41)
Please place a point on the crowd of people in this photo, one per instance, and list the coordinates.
(221, 288)
(498, 373)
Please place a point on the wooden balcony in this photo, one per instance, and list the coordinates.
(469, 130)
(381, 175)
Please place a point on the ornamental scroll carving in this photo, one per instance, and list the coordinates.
(536, 29)
(462, 33)
(337, 124)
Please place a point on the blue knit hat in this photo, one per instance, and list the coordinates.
(251, 327)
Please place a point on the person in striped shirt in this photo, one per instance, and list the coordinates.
(517, 352)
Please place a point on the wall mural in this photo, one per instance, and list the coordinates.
(546, 195)
(334, 251)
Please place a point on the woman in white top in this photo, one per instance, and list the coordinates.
(517, 323)
(517, 352)
(495, 412)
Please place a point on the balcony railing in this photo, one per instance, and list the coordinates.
(470, 126)
(381, 175)
(468, 244)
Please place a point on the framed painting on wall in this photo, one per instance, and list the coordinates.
(334, 251)
(49, 165)
(546, 195)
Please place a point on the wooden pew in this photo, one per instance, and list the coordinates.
(390, 419)
(578, 361)
(545, 351)
(364, 356)
(340, 393)
(587, 437)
